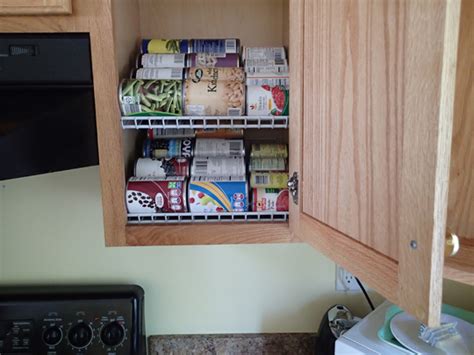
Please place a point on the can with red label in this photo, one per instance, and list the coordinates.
(168, 148)
(151, 195)
(162, 168)
(269, 200)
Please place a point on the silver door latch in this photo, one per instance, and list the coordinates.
(293, 187)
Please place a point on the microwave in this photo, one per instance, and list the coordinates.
(47, 113)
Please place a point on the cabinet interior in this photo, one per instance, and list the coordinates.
(254, 22)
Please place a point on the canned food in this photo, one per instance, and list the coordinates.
(267, 100)
(266, 66)
(158, 73)
(162, 168)
(219, 46)
(275, 53)
(150, 195)
(214, 98)
(161, 61)
(198, 74)
(218, 166)
(167, 133)
(168, 148)
(267, 200)
(219, 133)
(165, 46)
(271, 79)
(268, 164)
(207, 194)
(269, 151)
(208, 60)
(151, 97)
(219, 148)
(269, 179)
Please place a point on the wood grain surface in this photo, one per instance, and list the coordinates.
(460, 267)
(216, 233)
(35, 7)
(255, 22)
(429, 81)
(461, 183)
(352, 126)
(94, 17)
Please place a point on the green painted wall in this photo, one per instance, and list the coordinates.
(52, 233)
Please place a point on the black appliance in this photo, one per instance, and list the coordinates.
(75, 320)
(47, 113)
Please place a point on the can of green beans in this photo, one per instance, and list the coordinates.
(151, 97)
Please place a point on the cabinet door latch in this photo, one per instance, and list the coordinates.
(293, 187)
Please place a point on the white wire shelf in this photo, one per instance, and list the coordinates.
(168, 218)
(140, 122)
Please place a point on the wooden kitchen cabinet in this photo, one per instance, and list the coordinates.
(35, 7)
(373, 91)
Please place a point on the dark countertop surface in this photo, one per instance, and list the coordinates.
(235, 344)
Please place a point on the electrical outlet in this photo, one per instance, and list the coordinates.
(345, 281)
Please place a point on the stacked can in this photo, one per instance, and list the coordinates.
(267, 81)
(218, 176)
(160, 176)
(269, 177)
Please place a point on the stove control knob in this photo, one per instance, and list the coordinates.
(80, 335)
(52, 336)
(112, 334)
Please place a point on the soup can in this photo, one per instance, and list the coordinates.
(165, 46)
(275, 53)
(269, 179)
(219, 133)
(219, 148)
(267, 100)
(270, 200)
(218, 166)
(268, 164)
(161, 61)
(158, 73)
(151, 97)
(232, 74)
(162, 168)
(211, 194)
(214, 98)
(167, 133)
(225, 45)
(264, 150)
(151, 195)
(208, 60)
(168, 148)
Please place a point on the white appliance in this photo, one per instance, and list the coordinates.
(362, 338)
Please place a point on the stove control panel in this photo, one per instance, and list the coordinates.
(61, 327)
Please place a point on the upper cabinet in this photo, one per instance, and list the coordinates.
(35, 7)
(374, 140)
(380, 129)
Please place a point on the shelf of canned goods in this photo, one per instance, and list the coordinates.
(147, 218)
(197, 122)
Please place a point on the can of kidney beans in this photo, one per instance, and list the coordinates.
(267, 100)
(162, 168)
(151, 195)
(267, 200)
(168, 148)
(212, 194)
(215, 74)
(208, 60)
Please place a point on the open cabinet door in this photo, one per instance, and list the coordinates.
(372, 87)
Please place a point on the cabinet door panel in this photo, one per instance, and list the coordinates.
(375, 132)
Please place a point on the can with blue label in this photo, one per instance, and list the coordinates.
(215, 46)
(213, 194)
(168, 148)
(165, 46)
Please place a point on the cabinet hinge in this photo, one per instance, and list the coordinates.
(293, 187)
